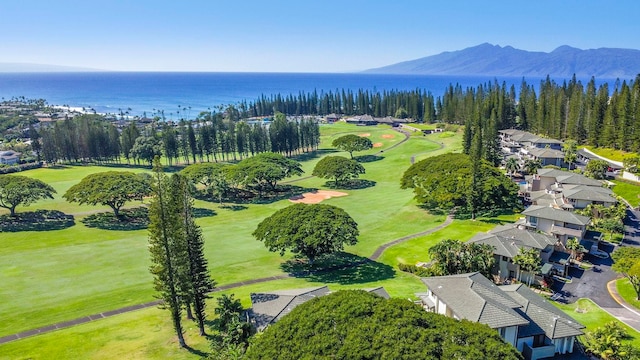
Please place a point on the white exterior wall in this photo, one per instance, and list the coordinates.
(564, 345)
(511, 335)
(544, 225)
(630, 176)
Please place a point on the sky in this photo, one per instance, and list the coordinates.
(297, 35)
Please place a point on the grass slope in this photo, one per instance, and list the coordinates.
(52, 276)
(627, 191)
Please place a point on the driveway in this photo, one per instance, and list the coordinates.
(592, 284)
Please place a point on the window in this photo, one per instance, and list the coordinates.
(505, 259)
(533, 220)
(503, 332)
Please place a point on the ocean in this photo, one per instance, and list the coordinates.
(185, 95)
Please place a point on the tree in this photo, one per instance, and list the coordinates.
(264, 170)
(128, 139)
(213, 176)
(446, 182)
(22, 190)
(110, 188)
(308, 230)
(359, 325)
(570, 149)
(529, 261)
(632, 164)
(197, 283)
(146, 148)
(338, 168)
(574, 246)
(596, 169)
(532, 165)
(231, 332)
(167, 246)
(456, 257)
(512, 166)
(627, 262)
(606, 343)
(351, 143)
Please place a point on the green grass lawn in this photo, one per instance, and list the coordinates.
(611, 154)
(627, 191)
(592, 316)
(626, 291)
(52, 276)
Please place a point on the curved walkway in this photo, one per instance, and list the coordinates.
(106, 314)
(626, 313)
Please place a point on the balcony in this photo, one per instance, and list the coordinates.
(538, 352)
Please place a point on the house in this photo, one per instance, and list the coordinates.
(548, 156)
(362, 120)
(9, 157)
(522, 318)
(268, 308)
(507, 240)
(542, 143)
(331, 118)
(559, 223)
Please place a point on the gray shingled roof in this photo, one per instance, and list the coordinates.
(476, 298)
(547, 141)
(507, 240)
(546, 212)
(543, 317)
(269, 307)
(567, 177)
(581, 192)
(547, 153)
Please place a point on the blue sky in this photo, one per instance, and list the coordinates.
(296, 36)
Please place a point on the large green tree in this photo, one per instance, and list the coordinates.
(446, 182)
(338, 168)
(168, 248)
(110, 188)
(265, 170)
(308, 230)
(197, 282)
(215, 177)
(627, 262)
(596, 169)
(351, 143)
(456, 257)
(22, 190)
(359, 325)
(146, 148)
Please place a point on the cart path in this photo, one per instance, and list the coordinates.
(85, 319)
(106, 314)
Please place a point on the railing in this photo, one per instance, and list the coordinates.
(539, 352)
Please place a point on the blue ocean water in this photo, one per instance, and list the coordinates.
(149, 92)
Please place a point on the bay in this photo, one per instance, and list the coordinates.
(186, 94)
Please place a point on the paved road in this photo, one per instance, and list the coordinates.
(596, 285)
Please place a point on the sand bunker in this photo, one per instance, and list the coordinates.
(388, 136)
(316, 196)
(364, 134)
(378, 145)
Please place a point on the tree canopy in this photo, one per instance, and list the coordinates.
(308, 230)
(452, 257)
(22, 190)
(446, 182)
(359, 325)
(338, 168)
(596, 169)
(110, 188)
(351, 143)
(265, 169)
(627, 262)
(213, 176)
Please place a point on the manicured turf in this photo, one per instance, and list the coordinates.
(627, 191)
(626, 291)
(611, 154)
(592, 316)
(51, 276)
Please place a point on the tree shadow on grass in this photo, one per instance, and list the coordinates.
(313, 154)
(353, 184)
(368, 158)
(39, 220)
(129, 219)
(342, 268)
(281, 192)
(202, 212)
(233, 207)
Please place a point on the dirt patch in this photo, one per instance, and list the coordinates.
(378, 144)
(388, 136)
(364, 135)
(316, 196)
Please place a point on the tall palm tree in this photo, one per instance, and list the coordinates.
(529, 261)
(512, 166)
(573, 245)
(532, 165)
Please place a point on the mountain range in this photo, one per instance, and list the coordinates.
(494, 60)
